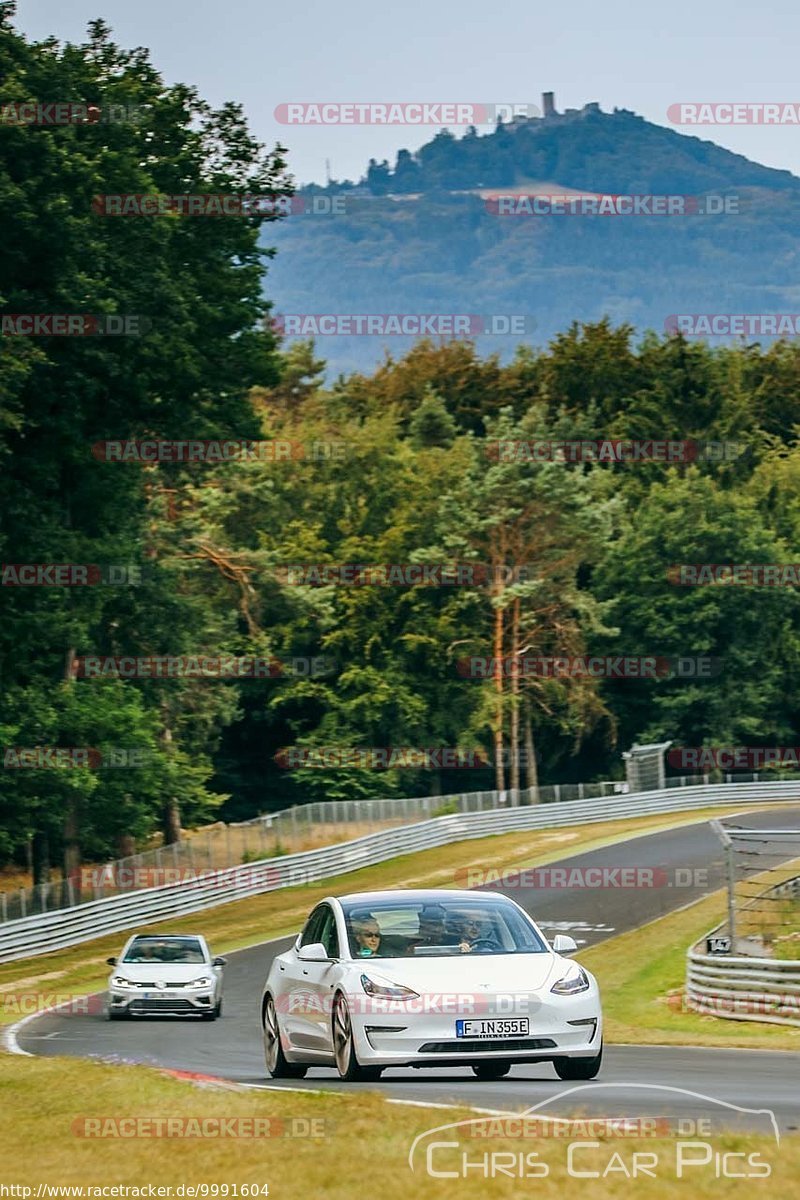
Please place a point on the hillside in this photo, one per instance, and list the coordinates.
(420, 237)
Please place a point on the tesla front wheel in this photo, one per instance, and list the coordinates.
(578, 1068)
(491, 1070)
(277, 1065)
(344, 1051)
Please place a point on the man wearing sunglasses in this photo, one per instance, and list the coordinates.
(476, 933)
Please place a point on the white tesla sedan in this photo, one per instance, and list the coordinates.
(428, 979)
(173, 975)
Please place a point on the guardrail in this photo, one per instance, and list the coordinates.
(67, 927)
(288, 831)
(743, 989)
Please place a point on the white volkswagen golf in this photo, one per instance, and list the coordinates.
(428, 979)
(174, 975)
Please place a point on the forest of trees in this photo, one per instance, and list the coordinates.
(396, 466)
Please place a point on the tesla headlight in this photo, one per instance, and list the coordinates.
(120, 981)
(204, 981)
(387, 991)
(576, 981)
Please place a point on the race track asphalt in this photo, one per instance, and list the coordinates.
(686, 863)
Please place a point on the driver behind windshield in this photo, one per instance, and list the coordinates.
(145, 952)
(475, 932)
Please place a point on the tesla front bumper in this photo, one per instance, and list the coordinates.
(564, 1026)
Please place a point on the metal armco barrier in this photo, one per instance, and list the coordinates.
(68, 927)
(743, 989)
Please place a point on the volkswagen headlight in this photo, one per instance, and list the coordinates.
(202, 982)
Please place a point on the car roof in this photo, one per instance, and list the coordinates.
(167, 937)
(415, 895)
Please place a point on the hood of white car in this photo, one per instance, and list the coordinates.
(166, 972)
(464, 973)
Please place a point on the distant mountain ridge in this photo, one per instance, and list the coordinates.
(582, 149)
(416, 238)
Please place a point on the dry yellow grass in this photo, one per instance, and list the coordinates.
(364, 1148)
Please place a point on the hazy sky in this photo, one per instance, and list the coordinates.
(620, 52)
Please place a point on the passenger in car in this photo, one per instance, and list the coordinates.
(367, 934)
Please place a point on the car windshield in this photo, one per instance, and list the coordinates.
(165, 950)
(420, 928)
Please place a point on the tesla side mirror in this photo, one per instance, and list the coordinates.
(313, 952)
(564, 944)
(219, 961)
(112, 962)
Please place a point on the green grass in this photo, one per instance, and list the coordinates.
(363, 1142)
(361, 1148)
(638, 971)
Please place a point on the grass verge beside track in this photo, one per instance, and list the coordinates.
(364, 1148)
(637, 971)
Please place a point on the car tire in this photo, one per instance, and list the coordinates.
(578, 1068)
(115, 1015)
(210, 1016)
(276, 1062)
(218, 1008)
(344, 1051)
(491, 1070)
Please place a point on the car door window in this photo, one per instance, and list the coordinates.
(313, 928)
(328, 934)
